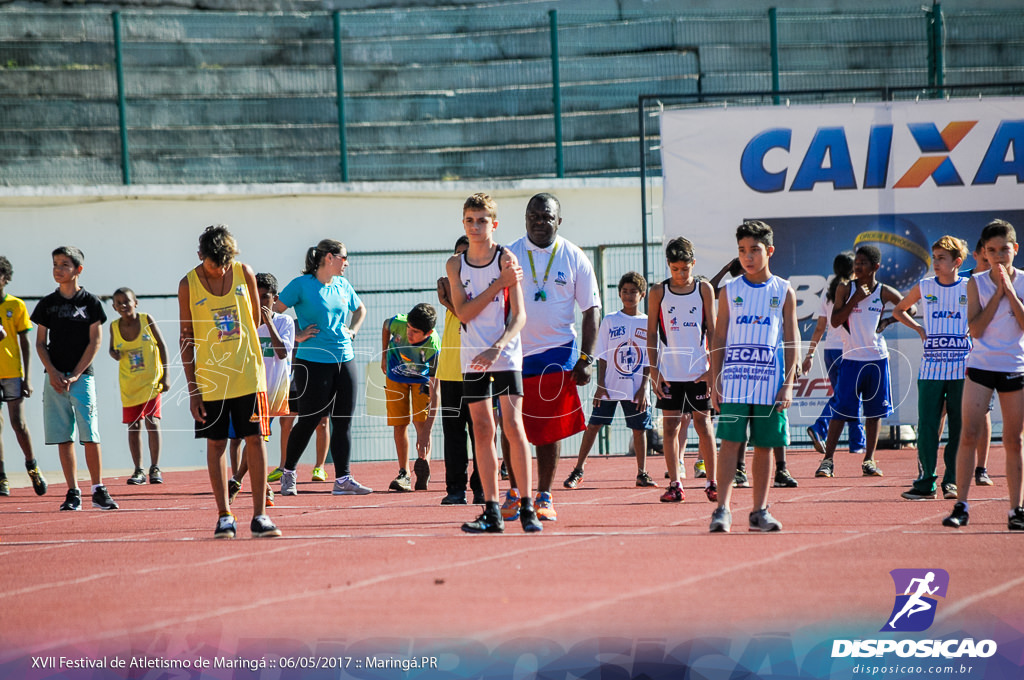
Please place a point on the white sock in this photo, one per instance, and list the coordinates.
(96, 486)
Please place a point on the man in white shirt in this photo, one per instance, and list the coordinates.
(557, 276)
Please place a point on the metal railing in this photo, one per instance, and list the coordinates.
(426, 93)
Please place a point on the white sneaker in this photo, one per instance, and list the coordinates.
(288, 483)
(348, 486)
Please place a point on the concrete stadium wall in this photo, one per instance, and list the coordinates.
(145, 238)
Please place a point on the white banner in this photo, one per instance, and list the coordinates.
(897, 175)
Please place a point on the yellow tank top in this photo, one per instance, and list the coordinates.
(229, 363)
(449, 366)
(140, 368)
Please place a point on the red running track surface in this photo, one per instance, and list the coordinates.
(617, 562)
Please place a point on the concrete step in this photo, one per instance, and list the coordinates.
(485, 163)
(275, 139)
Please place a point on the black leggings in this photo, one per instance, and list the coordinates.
(324, 390)
(454, 423)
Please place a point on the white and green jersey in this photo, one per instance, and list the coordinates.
(944, 317)
(752, 370)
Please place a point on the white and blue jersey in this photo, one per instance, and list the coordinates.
(752, 369)
(489, 325)
(944, 317)
(861, 339)
(622, 343)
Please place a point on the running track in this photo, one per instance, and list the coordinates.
(149, 578)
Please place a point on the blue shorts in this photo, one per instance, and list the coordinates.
(61, 412)
(867, 383)
(635, 418)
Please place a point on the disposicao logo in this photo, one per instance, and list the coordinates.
(914, 609)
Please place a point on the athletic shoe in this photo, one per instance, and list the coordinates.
(545, 507)
(5, 487)
(234, 486)
(226, 527)
(262, 527)
(960, 517)
(510, 508)
(682, 472)
(858, 452)
(1015, 522)
(73, 501)
(699, 471)
(38, 481)
(348, 486)
(401, 483)
(644, 479)
(673, 494)
(454, 499)
(503, 470)
(574, 478)
(784, 480)
(740, 481)
(981, 477)
(816, 442)
(288, 483)
(102, 500)
(711, 491)
(762, 520)
(913, 494)
(155, 476)
(276, 473)
(826, 469)
(270, 497)
(528, 518)
(869, 468)
(421, 468)
(478, 499)
(949, 491)
(486, 523)
(319, 474)
(138, 477)
(721, 521)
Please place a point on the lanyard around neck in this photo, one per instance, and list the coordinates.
(541, 295)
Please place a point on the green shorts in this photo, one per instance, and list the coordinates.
(769, 427)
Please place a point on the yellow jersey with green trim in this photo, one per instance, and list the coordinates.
(229, 362)
(14, 317)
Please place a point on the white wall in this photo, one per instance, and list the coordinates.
(145, 238)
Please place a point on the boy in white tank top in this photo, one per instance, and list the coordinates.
(488, 300)
(940, 380)
(680, 322)
(751, 387)
(864, 375)
(996, 319)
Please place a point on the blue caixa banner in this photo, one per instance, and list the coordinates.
(830, 178)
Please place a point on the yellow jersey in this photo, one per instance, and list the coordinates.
(14, 317)
(140, 368)
(229, 362)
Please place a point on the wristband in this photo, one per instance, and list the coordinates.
(586, 358)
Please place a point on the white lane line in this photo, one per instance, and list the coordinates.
(288, 597)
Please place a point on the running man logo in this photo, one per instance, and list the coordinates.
(914, 609)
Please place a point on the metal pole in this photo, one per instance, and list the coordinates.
(556, 89)
(340, 86)
(122, 107)
(773, 27)
(643, 192)
(940, 47)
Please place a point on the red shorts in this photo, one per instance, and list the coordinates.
(133, 414)
(551, 408)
